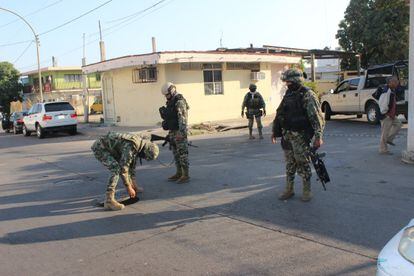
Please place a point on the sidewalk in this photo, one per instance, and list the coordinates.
(96, 129)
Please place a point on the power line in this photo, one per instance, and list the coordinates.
(119, 25)
(132, 20)
(32, 13)
(126, 18)
(15, 43)
(76, 18)
(136, 13)
(24, 51)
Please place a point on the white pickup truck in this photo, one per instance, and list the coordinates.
(354, 95)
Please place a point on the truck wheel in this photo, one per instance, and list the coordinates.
(328, 112)
(25, 131)
(372, 112)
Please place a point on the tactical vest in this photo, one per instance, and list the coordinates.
(294, 114)
(253, 102)
(171, 114)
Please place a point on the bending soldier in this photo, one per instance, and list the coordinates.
(298, 120)
(119, 153)
(175, 116)
(256, 107)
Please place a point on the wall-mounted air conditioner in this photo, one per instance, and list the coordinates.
(257, 76)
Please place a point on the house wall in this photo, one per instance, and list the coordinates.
(137, 104)
(59, 82)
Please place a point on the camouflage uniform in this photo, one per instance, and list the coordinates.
(119, 152)
(296, 143)
(254, 102)
(180, 148)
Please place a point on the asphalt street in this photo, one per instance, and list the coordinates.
(226, 221)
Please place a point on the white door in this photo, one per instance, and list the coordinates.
(32, 117)
(352, 104)
(108, 99)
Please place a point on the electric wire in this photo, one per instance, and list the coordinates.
(74, 19)
(32, 13)
(119, 25)
(24, 51)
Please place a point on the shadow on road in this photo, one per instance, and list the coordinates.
(238, 179)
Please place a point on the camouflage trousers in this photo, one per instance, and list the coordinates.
(180, 151)
(296, 158)
(258, 123)
(111, 163)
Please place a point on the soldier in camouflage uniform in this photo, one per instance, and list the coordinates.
(256, 107)
(119, 153)
(298, 121)
(176, 122)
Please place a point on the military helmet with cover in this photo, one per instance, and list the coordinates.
(167, 88)
(252, 87)
(293, 75)
(150, 150)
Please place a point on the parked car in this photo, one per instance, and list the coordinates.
(354, 96)
(50, 117)
(16, 121)
(397, 257)
(5, 123)
(97, 107)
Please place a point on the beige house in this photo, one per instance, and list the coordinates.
(213, 82)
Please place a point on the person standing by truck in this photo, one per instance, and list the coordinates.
(390, 124)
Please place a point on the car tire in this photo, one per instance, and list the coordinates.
(327, 111)
(25, 131)
(40, 133)
(372, 112)
(73, 131)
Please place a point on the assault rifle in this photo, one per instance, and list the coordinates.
(155, 137)
(167, 140)
(319, 166)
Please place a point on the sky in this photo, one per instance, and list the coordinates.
(128, 25)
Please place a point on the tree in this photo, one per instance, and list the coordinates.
(376, 29)
(9, 84)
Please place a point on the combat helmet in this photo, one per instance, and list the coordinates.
(293, 75)
(167, 88)
(151, 151)
(252, 87)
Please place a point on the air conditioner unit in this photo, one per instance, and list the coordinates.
(257, 76)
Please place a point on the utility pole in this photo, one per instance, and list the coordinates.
(37, 41)
(85, 88)
(408, 155)
(101, 43)
(313, 73)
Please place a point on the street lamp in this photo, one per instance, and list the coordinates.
(37, 49)
(358, 56)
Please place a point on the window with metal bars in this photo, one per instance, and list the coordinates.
(144, 75)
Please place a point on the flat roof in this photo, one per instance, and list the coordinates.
(52, 69)
(168, 57)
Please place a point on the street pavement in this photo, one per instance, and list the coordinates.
(226, 221)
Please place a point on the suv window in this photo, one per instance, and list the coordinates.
(51, 107)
